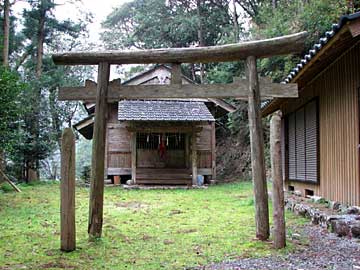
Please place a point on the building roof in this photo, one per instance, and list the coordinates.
(85, 126)
(314, 57)
(163, 110)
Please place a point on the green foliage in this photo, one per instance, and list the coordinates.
(143, 229)
(52, 26)
(5, 187)
(85, 173)
(11, 88)
(159, 23)
(83, 157)
(315, 17)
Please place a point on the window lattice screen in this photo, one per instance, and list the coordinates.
(302, 143)
(172, 141)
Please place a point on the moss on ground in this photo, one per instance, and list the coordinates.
(143, 229)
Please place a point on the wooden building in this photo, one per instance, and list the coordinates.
(164, 141)
(321, 139)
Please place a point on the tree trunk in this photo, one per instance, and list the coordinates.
(2, 165)
(5, 55)
(257, 153)
(274, 4)
(236, 23)
(40, 40)
(21, 60)
(193, 72)
(278, 187)
(32, 172)
(56, 122)
(200, 36)
(33, 169)
(6, 30)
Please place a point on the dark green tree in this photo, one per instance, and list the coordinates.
(43, 118)
(11, 88)
(175, 23)
(315, 17)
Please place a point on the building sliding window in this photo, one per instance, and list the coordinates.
(302, 139)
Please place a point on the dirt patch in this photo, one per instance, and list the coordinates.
(168, 242)
(198, 250)
(56, 265)
(124, 238)
(131, 205)
(242, 197)
(175, 212)
(186, 231)
(13, 267)
(146, 237)
(233, 157)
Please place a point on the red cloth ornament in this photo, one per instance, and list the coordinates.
(162, 148)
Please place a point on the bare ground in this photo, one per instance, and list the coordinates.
(232, 158)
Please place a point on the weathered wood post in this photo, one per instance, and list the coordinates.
(67, 190)
(176, 75)
(257, 152)
(278, 187)
(98, 154)
(194, 157)
(133, 157)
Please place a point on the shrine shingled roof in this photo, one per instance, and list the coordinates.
(163, 110)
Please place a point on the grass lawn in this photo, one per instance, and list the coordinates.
(143, 229)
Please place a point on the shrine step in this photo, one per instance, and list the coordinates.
(157, 181)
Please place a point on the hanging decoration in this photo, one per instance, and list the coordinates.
(162, 147)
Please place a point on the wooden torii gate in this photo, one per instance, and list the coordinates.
(248, 89)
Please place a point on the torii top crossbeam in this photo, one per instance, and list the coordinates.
(224, 53)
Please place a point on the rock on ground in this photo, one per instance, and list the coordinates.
(324, 251)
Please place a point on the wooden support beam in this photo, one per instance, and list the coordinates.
(133, 157)
(169, 129)
(278, 186)
(67, 190)
(194, 158)
(257, 152)
(223, 104)
(176, 74)
(98, 154)
(238, 89)
(232, 52)
(187, 151)
(7, 179)
(213, 150)
(117, 180)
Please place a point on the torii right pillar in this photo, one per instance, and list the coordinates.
(257, 152)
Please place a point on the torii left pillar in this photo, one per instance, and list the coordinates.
(98, 154)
